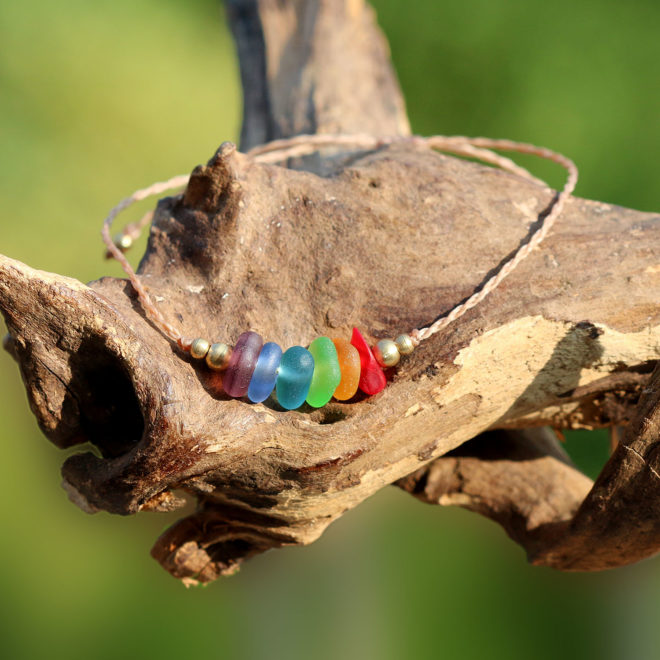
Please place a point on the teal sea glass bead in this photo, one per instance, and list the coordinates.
(326, 375)
(294, 377)
(265, 373)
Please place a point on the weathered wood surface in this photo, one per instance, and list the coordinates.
(387, 243)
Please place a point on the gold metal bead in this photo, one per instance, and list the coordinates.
(123, 241)
(199, 348)
(218, 356)
(386, 353)
(405, 344)
(8, 342)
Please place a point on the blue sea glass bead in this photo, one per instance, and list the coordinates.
(265, 373)
(294, 377)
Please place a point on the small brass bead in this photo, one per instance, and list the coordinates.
(386, 353)
(405, 344)
(218, 356)
(199, 348)
(123, 241)
(8, 342)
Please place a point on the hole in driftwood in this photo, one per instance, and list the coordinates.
(331, 416)
(110, 414)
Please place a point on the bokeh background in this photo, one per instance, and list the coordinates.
(99, 98)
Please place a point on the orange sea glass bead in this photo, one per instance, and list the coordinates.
(349, 366)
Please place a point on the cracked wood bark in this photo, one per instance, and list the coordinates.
(569, 339)
(546, 505)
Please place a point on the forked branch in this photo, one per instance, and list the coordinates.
(385, 241)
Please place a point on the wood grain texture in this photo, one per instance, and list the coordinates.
(313, 66)
(569, 340)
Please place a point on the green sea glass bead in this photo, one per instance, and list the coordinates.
(326, 372)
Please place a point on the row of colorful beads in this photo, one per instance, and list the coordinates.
(327, 368)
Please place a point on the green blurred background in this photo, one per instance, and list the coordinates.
(99, 98)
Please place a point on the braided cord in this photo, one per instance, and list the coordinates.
(419, 335)
(301, 145)
(152, 312)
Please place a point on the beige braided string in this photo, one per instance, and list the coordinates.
(134, 231)
(301, 145)
(535, 240)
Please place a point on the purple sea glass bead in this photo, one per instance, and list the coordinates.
(236, 378)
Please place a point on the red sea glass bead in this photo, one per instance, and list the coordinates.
(236, 378)
(372, 377)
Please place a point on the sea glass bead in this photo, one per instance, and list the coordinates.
(372, 377)
(326, 375)
(349, 366)
(243, 360)
(265, 373)
(294, 377)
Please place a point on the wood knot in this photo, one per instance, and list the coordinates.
(212, 184)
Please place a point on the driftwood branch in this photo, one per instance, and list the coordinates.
(526, 483)
(313, 67)
(386, 243)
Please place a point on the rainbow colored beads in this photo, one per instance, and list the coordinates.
(241, 366)
(294, 377)
(329, 368)
(327, 374)
(372, 378)
(265, 373)
(349, 367)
